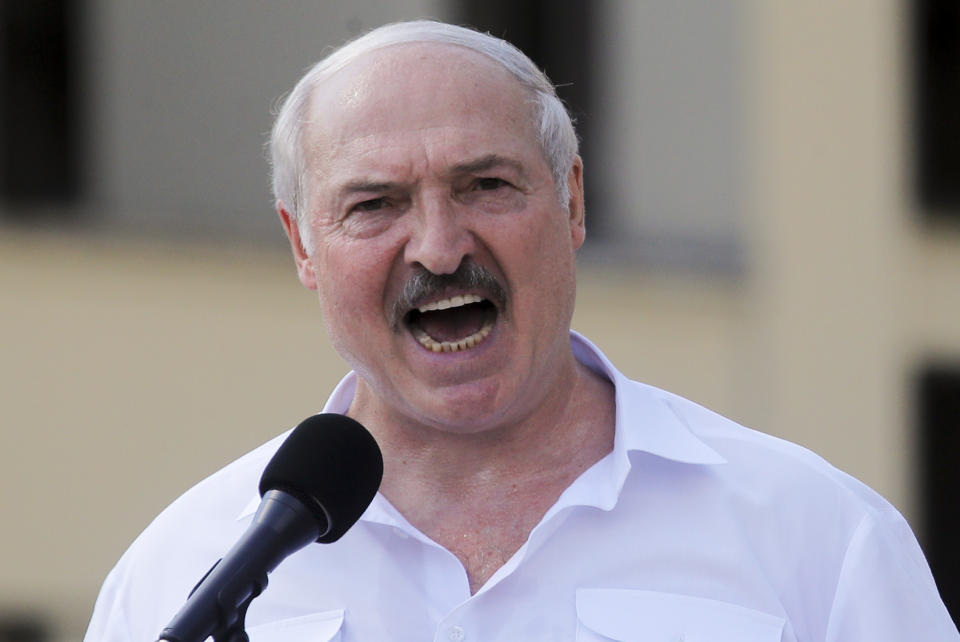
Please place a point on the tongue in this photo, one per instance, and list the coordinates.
(452, 324)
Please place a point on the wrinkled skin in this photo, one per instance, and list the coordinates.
(424, 156)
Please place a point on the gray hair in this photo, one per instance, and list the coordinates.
(555, 131)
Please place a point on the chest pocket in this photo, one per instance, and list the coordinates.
(316, 627)
(632, 615)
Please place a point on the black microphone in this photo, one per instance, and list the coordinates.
(314, 489)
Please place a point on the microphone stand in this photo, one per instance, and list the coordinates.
(297, 508)
(232, 617)
(217, 605)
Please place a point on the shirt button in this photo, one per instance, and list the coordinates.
(456, 634)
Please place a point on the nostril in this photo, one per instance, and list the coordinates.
(440, 243)
(439, 261)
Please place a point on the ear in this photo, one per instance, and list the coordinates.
(308, 277)
(575, 206)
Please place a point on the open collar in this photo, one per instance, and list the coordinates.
(645, 422)
(645, 419)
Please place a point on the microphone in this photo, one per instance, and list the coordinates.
(314, 489)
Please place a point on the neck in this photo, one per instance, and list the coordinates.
(574, 413)
(454, 486)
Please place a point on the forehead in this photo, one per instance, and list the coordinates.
(419, 95)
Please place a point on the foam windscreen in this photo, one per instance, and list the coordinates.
(331, 464)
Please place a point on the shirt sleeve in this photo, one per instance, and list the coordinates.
(885, 591)
(109, 620)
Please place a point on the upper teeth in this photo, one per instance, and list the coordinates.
(452, 302)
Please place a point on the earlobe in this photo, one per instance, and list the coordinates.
(301, 257)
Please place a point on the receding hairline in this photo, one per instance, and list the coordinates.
(554, 127)
(488, 61)
(313, 149)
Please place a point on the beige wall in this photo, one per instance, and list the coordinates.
(132, 369)
(129, 369)
(850, 291)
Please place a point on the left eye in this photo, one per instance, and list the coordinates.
(371, 205)
(489, 183)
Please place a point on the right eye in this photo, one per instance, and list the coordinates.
(371, 205)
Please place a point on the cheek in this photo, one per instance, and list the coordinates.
(350, 283)
(344, 290)
(548, 248)
(540, 268)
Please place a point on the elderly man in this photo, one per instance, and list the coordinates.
(428, 180)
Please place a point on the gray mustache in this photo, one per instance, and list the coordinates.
(424, 284)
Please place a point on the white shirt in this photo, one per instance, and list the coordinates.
(693, 528)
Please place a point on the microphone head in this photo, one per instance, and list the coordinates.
(331, 464)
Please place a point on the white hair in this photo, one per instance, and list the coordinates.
(555, 131)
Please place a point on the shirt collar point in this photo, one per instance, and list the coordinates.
(664, 432)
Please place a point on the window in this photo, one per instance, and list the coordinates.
(39, 115)
(936, 71)
(938, 393)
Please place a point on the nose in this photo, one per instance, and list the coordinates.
(439, 241)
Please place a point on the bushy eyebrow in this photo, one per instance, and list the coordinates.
(475, 166)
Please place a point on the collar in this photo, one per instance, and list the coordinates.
(646, 421)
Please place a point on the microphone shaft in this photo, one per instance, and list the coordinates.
(281, 526)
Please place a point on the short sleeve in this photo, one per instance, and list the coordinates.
(109, 622)
(885, 591)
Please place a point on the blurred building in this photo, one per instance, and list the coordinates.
(773, 232)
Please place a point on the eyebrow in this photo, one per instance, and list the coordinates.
(359, 186)
(481, 164)
(490, 161)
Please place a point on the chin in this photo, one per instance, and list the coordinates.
(469, 409)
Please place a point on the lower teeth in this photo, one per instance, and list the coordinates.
(466, 343)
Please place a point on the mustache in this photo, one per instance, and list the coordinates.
(424, 284)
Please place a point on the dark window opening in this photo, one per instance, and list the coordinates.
(938, 406)
(39, 111)
(22, 628)
(936, 127)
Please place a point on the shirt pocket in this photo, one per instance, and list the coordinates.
(632, 615)
(316, 627)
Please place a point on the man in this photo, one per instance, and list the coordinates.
(428, 181)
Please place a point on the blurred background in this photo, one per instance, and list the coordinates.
(773, 194)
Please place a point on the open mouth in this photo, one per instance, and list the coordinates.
(450, 325)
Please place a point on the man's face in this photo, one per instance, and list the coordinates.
(423, 163)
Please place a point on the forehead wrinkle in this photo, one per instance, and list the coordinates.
(362, 176)
(417, 160)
